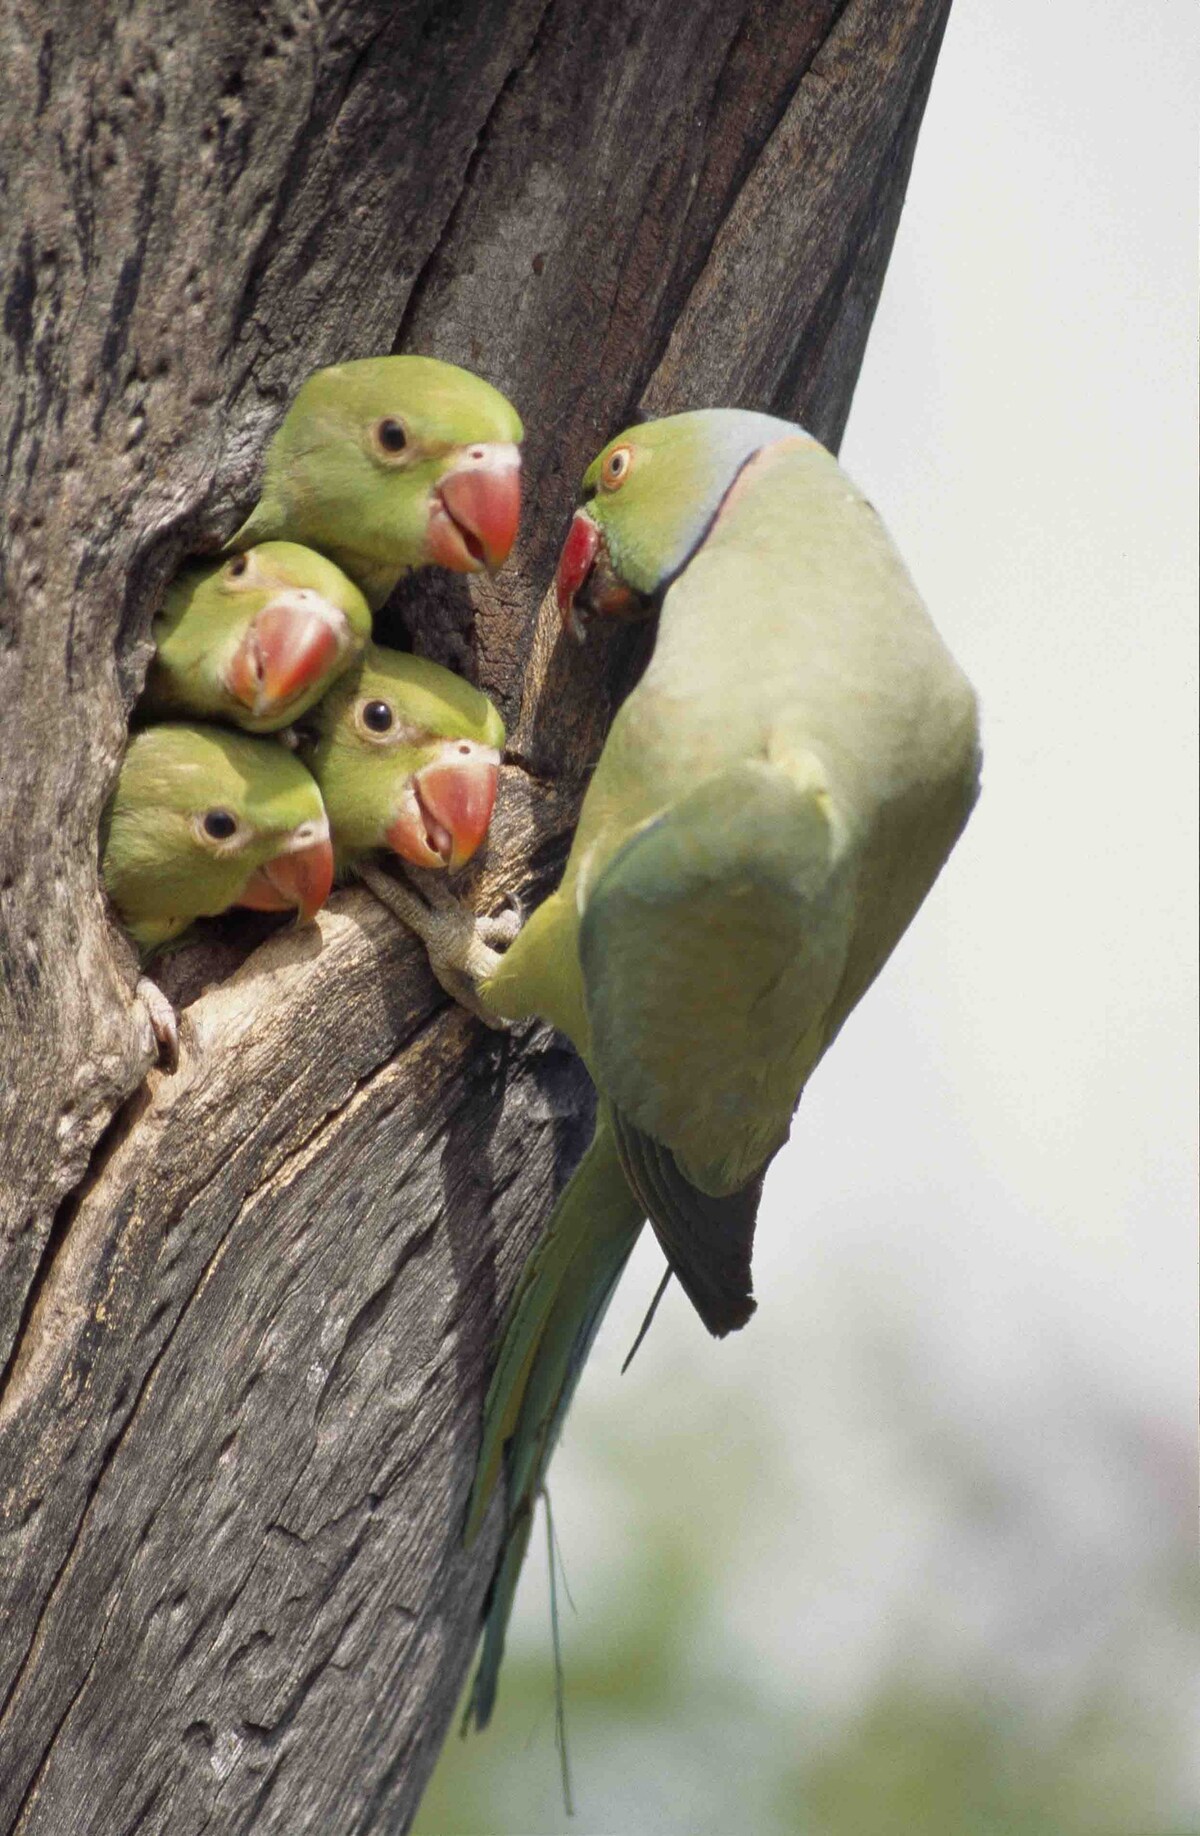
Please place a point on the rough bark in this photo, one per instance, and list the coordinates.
(246, 1310)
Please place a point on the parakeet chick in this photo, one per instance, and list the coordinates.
(407, 757)
(775, 799)
(254, 640)
(202, 819)
(392, 463)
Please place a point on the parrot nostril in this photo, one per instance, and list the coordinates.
(477, 452)
(465, 750)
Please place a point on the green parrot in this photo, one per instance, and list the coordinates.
(407, 757)
(774, 801)
(256, 639)
(202, 819)
(392, 463)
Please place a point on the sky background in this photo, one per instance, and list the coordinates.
(926, 1526)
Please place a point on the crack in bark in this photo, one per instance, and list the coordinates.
(416, 292)
(109, 1139)
(243, 306)
(121, 1125)
(31, 1791)
(277, 1177)
(684, 278)
(371, 1310)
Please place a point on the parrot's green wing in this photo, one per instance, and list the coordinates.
(712, 946)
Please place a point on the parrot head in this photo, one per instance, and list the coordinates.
(390, 463)
(407, 756)
(203, 819)
(255, 639)
(649, 500)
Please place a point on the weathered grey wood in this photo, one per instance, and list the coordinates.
(246, 1310)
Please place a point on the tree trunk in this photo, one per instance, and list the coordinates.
(246, 1310)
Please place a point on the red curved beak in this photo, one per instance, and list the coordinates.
(291, 647)
(476, 508)
(300, 878)
(447, 807)
(574, 565)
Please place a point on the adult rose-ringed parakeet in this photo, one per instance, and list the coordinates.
(407, 757)
(255, 639)
(773, 803)
(203, 819)
(392, 463)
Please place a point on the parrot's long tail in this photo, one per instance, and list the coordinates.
(559, 1303)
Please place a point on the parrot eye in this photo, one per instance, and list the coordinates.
(615, 467)
(238, 568)
(377, 717)
(391, 436)
(219, 824)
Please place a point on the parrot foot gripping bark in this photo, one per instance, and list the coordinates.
(164, 1022)
(461, 947)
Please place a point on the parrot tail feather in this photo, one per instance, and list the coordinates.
(554, 1562)
(648, 1322)
(556, 1312)
(497, 1608)
(707, 1240)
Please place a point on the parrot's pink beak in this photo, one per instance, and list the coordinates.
(587, 584)
(300, 878)
(447, 807)
(574, 565)
(291, 647)
(476, 508)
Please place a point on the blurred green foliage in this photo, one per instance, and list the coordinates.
(674, 1728)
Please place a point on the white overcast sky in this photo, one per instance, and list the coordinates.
(1026, 422)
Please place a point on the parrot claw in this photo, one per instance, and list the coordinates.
(460, 954)
(500, 929)
(164, 1022)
